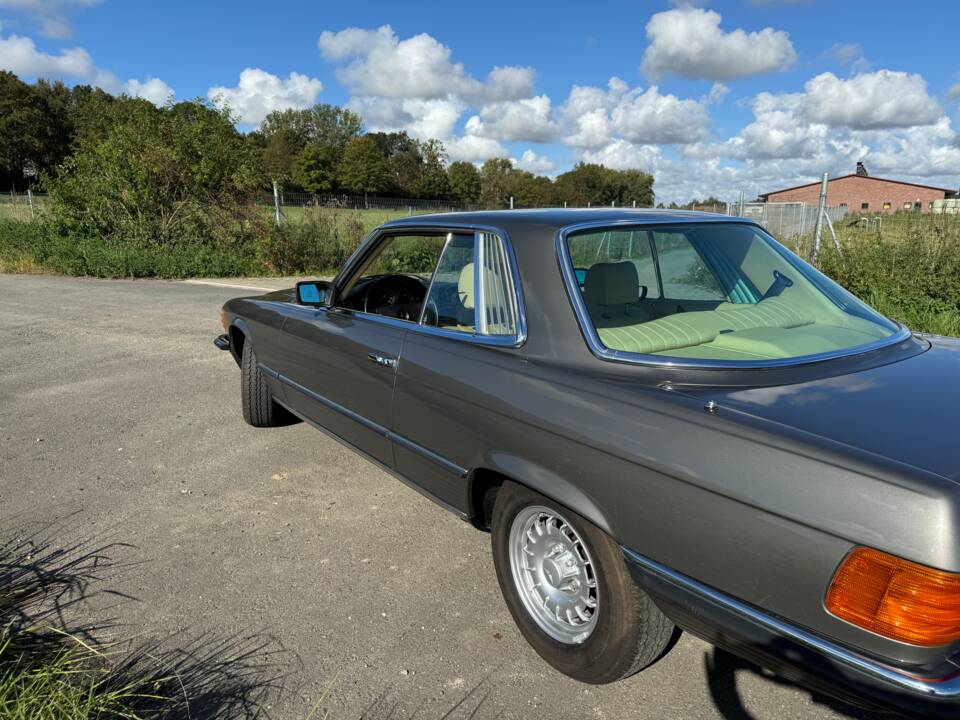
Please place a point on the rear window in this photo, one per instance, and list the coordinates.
(712, 291)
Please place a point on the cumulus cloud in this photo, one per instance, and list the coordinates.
(51, 16)
(259, 93)
(153, 89)
(882, 99)
(527, 119)
(597, 116)
(413, 84)
(20, 56)
(954, 92)
(531, 162)
(688, 41)
(473, 148)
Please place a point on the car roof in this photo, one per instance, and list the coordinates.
(556, 218)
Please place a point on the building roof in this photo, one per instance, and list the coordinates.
(946, 191)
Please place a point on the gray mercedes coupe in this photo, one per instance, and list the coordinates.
(665, 420)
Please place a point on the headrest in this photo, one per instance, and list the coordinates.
(465, 286)
(612, 284)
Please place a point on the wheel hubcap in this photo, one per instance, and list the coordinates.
(554, 574)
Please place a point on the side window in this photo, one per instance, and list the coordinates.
(393, 280)
(450, 303)
(684, 273)
(472, 290)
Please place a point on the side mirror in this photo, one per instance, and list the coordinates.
(317, 293)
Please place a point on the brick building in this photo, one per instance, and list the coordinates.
(861, 193)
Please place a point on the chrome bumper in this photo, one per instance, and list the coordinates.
(792, 651)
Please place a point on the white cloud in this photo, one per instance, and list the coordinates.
(688, 41)
(882, 99)
(51, 16)
(954, 92)
(423, 119)
(531, 162)
(20, 56)
(624, 155)
(153, 89)
(527, 119)
(258, 93)
(596, 117)
(474, 148)
(509, 83)
(380, 64)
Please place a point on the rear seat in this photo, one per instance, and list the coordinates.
(696, 328)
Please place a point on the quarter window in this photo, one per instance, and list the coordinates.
(472, 290)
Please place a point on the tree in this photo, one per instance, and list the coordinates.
(363, 167)
(404, 160)
(494, 190)
(464, 182)
(32, 130)
(315, 169)
(321, 124)
(433, 181)
(279, 154)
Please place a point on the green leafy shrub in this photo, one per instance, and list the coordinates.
(159, 177)
(320, 241)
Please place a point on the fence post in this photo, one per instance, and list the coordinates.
(276, 204)
(30, 200)
(818, 231)
(634, 203)
(511, 202)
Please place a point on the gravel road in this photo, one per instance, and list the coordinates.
(119, 420)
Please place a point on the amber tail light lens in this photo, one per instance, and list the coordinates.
(223, 319)
(896, 598)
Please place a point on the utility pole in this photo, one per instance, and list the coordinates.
(821, 209)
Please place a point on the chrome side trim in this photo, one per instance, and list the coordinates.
(605, 353)
(447, 465)
(506, 341)
(942, 688)
(426, 493)
(377, 428)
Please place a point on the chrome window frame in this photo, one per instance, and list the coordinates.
(516, 289)
(600, 350)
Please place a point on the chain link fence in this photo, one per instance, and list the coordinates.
(786, 220)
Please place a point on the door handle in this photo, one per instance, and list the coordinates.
(384, 360)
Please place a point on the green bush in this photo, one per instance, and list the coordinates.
(159, 177)
(39, 247)
(320, 241)
(909, 270)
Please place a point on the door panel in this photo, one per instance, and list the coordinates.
(330, 377)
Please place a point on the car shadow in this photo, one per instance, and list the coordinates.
(721, 669)
(46, 589)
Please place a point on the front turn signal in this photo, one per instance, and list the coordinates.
(223, 319)
(896, 598)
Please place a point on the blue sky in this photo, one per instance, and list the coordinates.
(713, 98)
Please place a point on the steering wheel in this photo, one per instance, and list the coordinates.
(392, 290)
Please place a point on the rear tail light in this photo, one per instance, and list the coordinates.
(896, 598)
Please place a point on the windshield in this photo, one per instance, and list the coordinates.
(713, 291)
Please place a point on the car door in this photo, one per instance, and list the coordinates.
(339, 363)
(458, 367)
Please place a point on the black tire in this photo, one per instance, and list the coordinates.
(631, 632)
(259, 409)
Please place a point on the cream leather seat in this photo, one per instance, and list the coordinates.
(612, 294)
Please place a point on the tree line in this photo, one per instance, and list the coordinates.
(51, 134)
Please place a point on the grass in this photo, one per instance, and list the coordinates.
(53, 667)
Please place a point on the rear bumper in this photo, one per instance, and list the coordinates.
(790, 651)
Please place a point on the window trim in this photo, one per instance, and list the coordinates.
(448, 229)
(602, 352)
